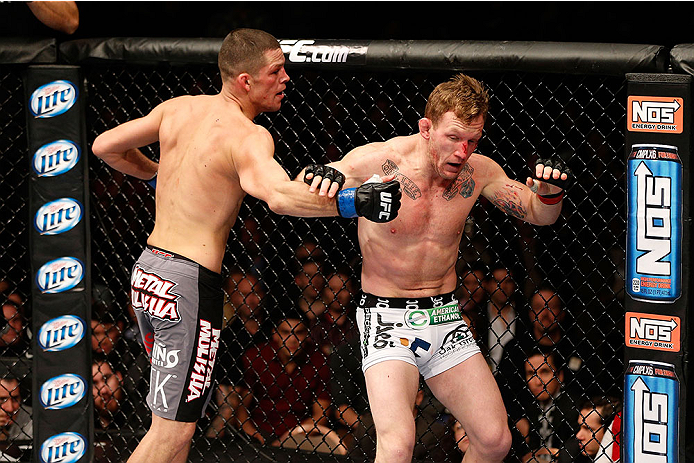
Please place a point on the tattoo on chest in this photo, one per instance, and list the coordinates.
(509, 201)
(463, 184)
(408, 186)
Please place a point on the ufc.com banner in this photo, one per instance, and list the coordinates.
(59, 248)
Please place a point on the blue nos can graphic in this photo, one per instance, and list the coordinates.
(654, 223)
(651, 411)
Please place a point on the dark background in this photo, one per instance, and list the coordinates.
(662, 23)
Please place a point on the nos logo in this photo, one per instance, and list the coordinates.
(67, 447)
(62, 391)
(651, 418)
(651, 331)
(53, 99)
(655, 114)
(653, 225)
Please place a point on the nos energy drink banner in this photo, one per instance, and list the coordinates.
(658, 278)
(651, 405)
(654, 189)
(59, 248)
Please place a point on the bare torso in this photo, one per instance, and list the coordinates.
(415, 255)
(198, 188)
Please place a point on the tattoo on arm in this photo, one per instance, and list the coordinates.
(408, 186)
(464, 184)
(509, 201)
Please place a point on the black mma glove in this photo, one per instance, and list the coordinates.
(377, 202)
(561, 167)
(320, 170)
(555, 198)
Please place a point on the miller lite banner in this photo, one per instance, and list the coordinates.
(657, 268)
(59, 249)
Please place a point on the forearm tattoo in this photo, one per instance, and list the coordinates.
(464, 184)
(408, 186)
(509, 201)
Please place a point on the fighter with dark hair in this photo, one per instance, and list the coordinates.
(211, 155)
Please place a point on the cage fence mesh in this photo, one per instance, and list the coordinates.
(276, 265)
(15, 287)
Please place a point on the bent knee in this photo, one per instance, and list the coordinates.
(494, 442)
(393, 454)
(395, 446)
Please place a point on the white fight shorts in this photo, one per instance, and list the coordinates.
(427, 332)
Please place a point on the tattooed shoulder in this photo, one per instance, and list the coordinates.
(463, 184)
(409, 187)
(389, 167)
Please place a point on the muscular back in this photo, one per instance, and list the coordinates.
(198, 188)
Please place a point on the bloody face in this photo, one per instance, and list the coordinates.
(451, 142)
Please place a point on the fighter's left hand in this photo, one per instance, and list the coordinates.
(325, 179)
(551, 176)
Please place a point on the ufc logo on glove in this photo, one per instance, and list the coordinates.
(386, 201)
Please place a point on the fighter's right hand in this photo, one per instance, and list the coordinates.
(375, 201)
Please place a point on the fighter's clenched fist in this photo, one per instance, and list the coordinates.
(374, 200)
(550, 172)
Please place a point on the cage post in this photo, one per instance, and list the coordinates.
(657, 277)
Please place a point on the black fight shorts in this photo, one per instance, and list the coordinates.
(178, 304)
